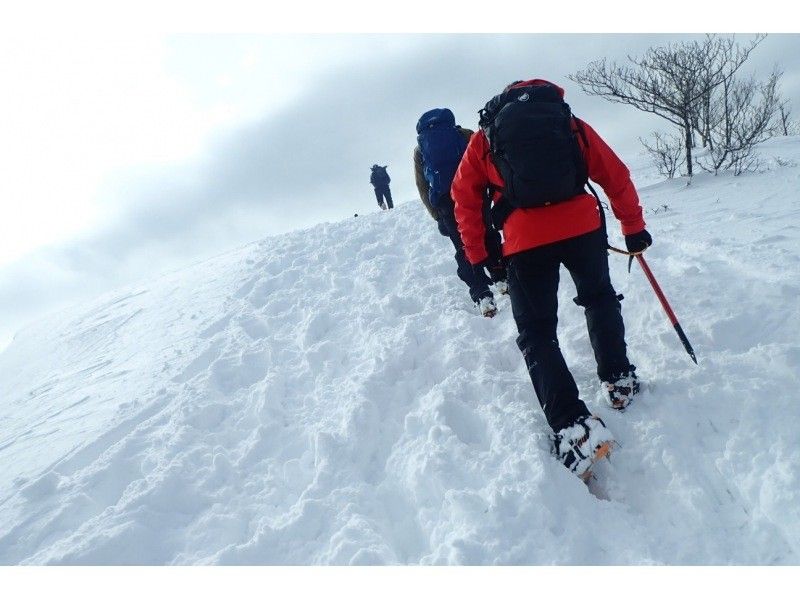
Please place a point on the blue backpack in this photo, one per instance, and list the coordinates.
(442, 146)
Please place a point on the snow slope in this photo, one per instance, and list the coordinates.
(330, 396)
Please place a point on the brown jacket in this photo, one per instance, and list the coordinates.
(419, 174)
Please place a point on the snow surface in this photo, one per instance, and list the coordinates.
(331, 396)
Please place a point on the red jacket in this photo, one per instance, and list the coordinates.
(531, 227)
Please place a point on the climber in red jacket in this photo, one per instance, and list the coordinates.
(536, 158)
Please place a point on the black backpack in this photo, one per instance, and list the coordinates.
(533, 146)
(379, 176)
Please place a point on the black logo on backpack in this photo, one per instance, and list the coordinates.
(533, 146)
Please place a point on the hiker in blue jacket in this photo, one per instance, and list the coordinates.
(380, 180)
(440, 145)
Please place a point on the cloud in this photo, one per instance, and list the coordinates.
(310, 160)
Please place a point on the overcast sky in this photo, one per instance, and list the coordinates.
(126, 156)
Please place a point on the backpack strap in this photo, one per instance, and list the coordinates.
(500, 211)
(600, 205)
(582, 133)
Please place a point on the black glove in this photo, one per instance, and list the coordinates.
(496, 265)
(486, 263)
(638, 242)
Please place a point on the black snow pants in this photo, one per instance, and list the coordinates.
(381, 192)
(475, 277)
(533, 277)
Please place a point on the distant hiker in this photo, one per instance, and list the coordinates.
(535, 157)
(380, 180)
(440, 145)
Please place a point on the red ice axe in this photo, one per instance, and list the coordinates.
(661, 297)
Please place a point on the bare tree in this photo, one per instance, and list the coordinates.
(748, 112)
(671, 82)
(784, 124)
(710, 112)
(666, 153)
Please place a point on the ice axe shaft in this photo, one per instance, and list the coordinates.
(661, 297)
(665, 304)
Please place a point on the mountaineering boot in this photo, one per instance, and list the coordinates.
(487, 307)
(501, 286)
(621, 389)
(582, 444)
